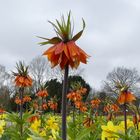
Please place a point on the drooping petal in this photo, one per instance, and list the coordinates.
(59, 48)
(66, 51)
(76, 63)
(121, 99)
(50, 50)
(64, 61)
(130, 97)
(83, 58)
(73, 50)
(53, 58)
(71, 63)
(21, 79)
(81, 51)
(126, 97)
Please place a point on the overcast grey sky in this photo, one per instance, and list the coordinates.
(111, 36)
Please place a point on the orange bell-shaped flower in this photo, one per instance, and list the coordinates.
(22, 78)
(64, 50)
(126, 97)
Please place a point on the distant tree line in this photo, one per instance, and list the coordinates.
(41, 72)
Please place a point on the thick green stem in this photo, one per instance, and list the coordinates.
(54, 112)
(64, 103)
(125, 119)
(41, 115)
(41, 105)
(21, 109)
(73, 113)
(137, 125)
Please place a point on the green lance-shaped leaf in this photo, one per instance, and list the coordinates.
(54, 40)
(78, 35)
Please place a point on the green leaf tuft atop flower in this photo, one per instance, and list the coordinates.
(64, 31)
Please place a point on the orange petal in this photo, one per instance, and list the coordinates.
(59, 48)
(71, 63)
(73, 50)
(121, 99)
(76, 63)
(54, 59)
(83, 52)
(83, 58)
(21, 79)
(130, 97)
(66, 50)
(50, 50)
(64, 61)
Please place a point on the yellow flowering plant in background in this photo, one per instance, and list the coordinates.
(3, 116)
(2, 126)
(2, 123)
(109, 131)
(50, 129)
(117, 132)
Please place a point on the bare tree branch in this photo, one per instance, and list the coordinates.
(121, 77)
